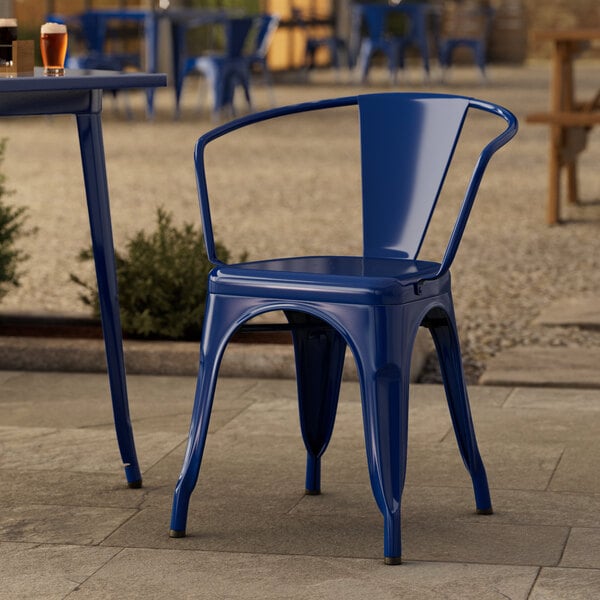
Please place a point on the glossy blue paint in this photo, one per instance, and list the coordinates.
(372, 304)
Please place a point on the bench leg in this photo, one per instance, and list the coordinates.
(552, 215)
(572, 194)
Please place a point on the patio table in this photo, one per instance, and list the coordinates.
(569, 120)
(80, 93)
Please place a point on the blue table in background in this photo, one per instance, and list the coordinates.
(80, 93)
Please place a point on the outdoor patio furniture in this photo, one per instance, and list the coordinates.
(320, 36)
(266, 25)
(380, 38)
(468, 25)
(225, 70)
(570, 121)
(80, 94)
(373, 303)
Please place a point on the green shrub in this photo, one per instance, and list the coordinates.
(12, 221)
(162, 282)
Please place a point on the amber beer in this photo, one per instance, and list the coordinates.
(53, 44)
(8, 34)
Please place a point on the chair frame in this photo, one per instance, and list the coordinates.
(330, 305)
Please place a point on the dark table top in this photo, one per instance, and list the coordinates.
(75, 79)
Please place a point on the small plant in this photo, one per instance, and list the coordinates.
(12, 222)
(162, 282)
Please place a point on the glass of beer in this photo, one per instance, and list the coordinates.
(8, 34)
(53, 44)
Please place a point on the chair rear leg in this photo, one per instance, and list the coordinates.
(445, 337)
(319, 352)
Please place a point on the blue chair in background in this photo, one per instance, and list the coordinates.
(415, 34)
(323, 35)
(373, 303)
(94, 32)
(468, 25)
(377, 20)
(226, 70)
(266, 25)
(88, 40)
(373, 17)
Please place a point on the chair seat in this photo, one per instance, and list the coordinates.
(350, 279)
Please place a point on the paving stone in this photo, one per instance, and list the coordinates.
(542, 366)
(583, 549)
(87, 450)
(537, 445)
(47, 572)
(22, 487)
(54, 524)
(574, 584)
(136, 573)
(578, 471)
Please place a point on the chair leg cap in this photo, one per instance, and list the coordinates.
(134, 485)
(393, 560)
(308, 492)
(485, 511)
(176, 533)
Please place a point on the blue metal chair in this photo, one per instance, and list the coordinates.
(373, 303)
(92, 29)
(416, 32)
(223, 71)
(467, 26)
(379, 38)
(374, 18)
(266, 25)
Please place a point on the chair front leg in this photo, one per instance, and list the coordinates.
(385, 414)
(214, 340)
(384, 371)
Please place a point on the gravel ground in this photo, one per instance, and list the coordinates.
(510, 265)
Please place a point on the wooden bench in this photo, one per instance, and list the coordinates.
(569, 121)
(569, 133)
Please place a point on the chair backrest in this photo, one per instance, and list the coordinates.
(416, 20)
(406, 148)
(407, 144)
(236, 33)
(374, 17)
(266, 27)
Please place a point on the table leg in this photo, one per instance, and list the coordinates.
(96, 186)
(151, 37)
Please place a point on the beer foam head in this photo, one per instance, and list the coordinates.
(54, 28)
(8, 22)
